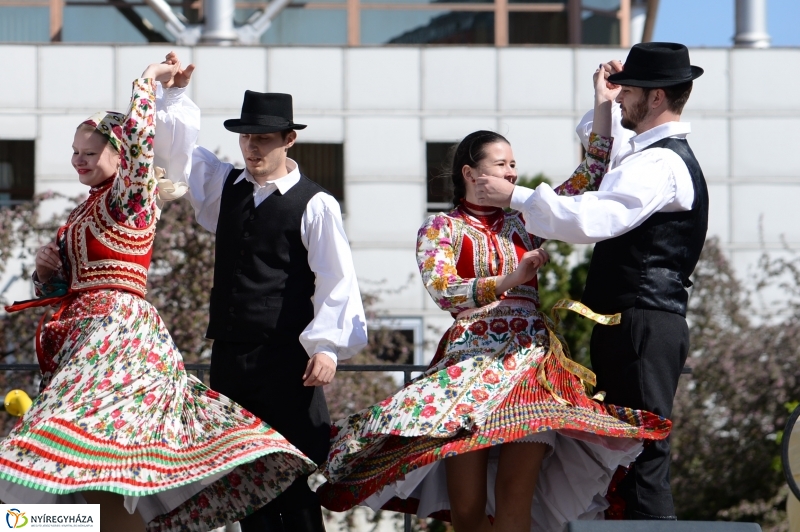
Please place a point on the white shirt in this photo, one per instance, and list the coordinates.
(638, 184)
(339, 325)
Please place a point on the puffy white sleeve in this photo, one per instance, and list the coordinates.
(176, 151)
(628, 195)
(620, 135)
(339, 327)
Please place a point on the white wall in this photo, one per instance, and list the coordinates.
(385, 103)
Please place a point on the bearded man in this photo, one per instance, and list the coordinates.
(648, 219)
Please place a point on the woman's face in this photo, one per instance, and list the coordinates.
(498, 161)
(93, 157)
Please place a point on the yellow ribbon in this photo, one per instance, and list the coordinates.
(557, 348)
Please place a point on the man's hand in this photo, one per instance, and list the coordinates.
(319, 371)
(182, 75)
(493, 191)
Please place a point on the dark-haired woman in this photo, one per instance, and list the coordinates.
(118, 421)
(500, 424)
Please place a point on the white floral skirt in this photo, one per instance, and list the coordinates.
(499, 376)
(119, 413)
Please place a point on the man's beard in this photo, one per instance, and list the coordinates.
(636, 114)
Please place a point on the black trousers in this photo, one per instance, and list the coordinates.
(267, 379)
(638, 364)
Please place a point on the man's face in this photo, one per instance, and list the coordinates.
(635, 105)
(265, 153)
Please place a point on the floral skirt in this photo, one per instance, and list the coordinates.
(499, 376)
(119, 413)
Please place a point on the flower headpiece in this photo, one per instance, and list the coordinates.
(109, 124)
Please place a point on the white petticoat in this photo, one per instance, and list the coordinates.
(572, 483)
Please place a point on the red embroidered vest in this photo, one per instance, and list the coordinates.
(102, 252)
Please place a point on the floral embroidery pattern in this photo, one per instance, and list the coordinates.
(494, 378)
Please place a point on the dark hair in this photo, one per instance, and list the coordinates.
(285, 133)
(676, 95)
(469, 152)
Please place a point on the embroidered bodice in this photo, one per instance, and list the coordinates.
(107, 240)
(460, 256)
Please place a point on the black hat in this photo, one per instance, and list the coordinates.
(656, 64)
(264, 112)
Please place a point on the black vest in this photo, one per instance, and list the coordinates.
(262, 282)
(649, 266)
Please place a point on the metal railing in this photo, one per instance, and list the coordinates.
(201, 369)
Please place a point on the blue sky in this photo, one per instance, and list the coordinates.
(711, 22)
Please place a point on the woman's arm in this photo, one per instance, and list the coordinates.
(589, 174)
(132, 199)
(436, 262)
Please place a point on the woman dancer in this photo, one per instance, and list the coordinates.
(500, 424)
(118, 421)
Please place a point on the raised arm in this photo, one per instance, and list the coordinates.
(176, 150)
(589, 174)
(132, 198)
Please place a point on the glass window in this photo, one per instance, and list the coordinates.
(600, 29)
(440, 185)
(323, 163)
(426, 27)
(24, 24)
(537, 28)
(107, 24)
(605, 5)
(16, 171)
(307, 26)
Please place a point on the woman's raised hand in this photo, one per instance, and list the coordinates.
(182, 76)
(48, 262)
(163, 72)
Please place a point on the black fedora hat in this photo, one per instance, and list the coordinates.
(264, 112)
(656, 64)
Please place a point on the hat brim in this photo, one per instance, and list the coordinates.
(237, 126)
(621, 79)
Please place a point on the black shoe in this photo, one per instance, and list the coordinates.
(305, 520)
(262, 522)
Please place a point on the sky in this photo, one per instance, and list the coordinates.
(711, 23)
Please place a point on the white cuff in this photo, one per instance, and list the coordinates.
(331, 355)
(520, 197)
(174, 94)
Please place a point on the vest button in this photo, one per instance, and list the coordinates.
(230, 327)
(231, 309)
(238, 270)
(246, 234)
(252, 216)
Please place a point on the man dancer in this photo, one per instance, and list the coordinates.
(649, 220)
(285, 303)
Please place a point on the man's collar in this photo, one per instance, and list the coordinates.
(670, 129)
(283, 184)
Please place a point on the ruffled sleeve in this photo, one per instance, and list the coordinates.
(132, 197)
(436, 261)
